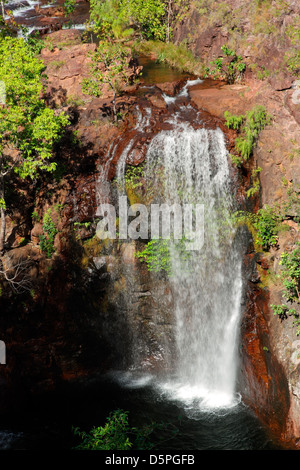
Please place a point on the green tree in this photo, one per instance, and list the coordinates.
(28, 129)
(117, 434)
(108, 19)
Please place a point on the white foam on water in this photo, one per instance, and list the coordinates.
(74, 26)
(132, 379)
(7, 438)
(196, 398)
(184, 92)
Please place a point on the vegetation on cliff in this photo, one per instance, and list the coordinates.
(249, 127)
(290, 278)
(267, 30)
(28, 128)
(109, 66)
(150, 19)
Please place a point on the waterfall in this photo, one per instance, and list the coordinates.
(188, 163)
(207, 285)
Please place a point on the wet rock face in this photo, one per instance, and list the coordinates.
(283, 339)
(263, 381)
(137, 310)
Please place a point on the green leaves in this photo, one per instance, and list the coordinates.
(230, 68)
(109, 65)
(267, 223)
(112, 436)
(26, 124)
(116, 434)
(264, 226)
(69, 6)
(28, 129)
(148, 16)
(290, 277)
(21, 73)
(249, 127)
(232, 121)
(120, 18)
(50, 231)
(2, 204)
(158, 255)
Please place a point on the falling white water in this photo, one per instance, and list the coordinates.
(190, 165)
(184, 92)
(20, 8)
(207, 286)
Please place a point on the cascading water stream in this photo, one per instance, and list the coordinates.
(189, 164)
(206, 285)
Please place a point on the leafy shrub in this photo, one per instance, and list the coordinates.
(69, 6)
(114, 57)
(290, 277)
(121, 18)
(250, 127)
(255, 182)
(231, 70)
(232, 121)
(118, 435)
(157, 254)
(133, 176)
(267, 223)
(34, 41)
(112, 436)
(47, 239)
(264, 226)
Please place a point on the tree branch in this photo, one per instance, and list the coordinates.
(15, 274)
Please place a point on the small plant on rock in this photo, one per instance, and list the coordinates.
(230, 68)
(50, 231)
(249, 127)
(290, 277)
